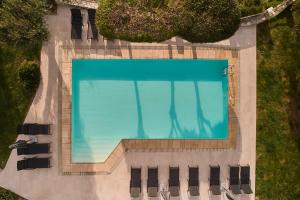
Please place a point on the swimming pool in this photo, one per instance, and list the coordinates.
(145, 99)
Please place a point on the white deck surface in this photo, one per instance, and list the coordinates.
(42, 184)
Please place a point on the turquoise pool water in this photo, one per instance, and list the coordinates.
(145, 99)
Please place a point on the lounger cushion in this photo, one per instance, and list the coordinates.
(92, 31)
(135, 180)
(193, 176)
(194, 190)
(33, 149)
(246, 189)
(76, 21)
(174, 191)
(33, 163)
(174, 176)
(135, 192)
(33, 129)
(152, 191)
(152, 180)
(235, 189)
(215, 189)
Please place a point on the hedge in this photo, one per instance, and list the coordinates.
(159, 20)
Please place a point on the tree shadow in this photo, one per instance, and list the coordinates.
(203, 124)
(140, 128)
(176, 129)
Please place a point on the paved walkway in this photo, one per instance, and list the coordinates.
(266, 15)
(50, 184)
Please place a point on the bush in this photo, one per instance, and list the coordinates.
(21, 22)
(6, 195)
(29, 75)
(156, 21)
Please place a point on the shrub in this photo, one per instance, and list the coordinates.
(21, 22)
(159, 20)
(29, 75)
(6, 195)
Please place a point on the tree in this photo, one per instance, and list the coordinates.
(21, 22)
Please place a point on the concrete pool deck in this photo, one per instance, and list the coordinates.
(54, 184)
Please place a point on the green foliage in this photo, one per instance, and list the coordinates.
(159, 20)
(8, 195)
(278, 108)
(14, 98)
(21, 22)
(29, 75)
(251, 7)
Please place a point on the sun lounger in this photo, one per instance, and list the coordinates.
(34, 148)
(245, 180)
(92, 29)
(135, 182)
(174, 184)
(193, 182)
(152, 182)
(33, 129)
(214, 180)
(234, 180)
(33, 163)
(76, 21)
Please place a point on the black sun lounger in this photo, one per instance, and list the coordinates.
(214, 180)
(33, 129)
(76, 21)
(152, 182)
(33, 163)
(193, 182)
(135, 182)
(34, 148)
(92, 29)
(234, 180)
(245, 180)
(174, 184)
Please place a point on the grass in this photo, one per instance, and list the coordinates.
(278, 108)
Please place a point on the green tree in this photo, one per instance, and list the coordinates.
(21, 22)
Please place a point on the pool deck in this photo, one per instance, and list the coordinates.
(133, 51)
(50, 105)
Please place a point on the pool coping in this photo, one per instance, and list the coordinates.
(67, 53)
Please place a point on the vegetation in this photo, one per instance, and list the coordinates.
(29, 75)
(251, 7)
(22, 32)
(21, 22)
(7, 195)
(14, 98)
(159, 20)
(278, 107)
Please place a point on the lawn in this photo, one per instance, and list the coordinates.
(278, 108)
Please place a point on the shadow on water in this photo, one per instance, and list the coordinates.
(204, 125)
(175, 126)
(140, 129)
(201, 120)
